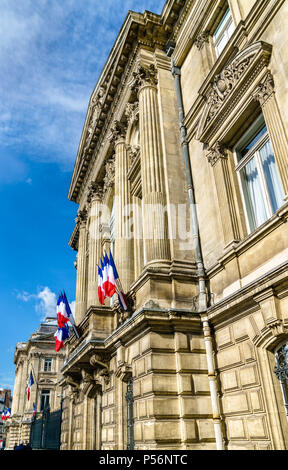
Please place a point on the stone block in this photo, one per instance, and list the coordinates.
(201, 383)
(223, 337)
(257, 427)
(196, 406)
(236, 428)
(248, 376)
(235, 403)
(229, 380)
(205, 429)
(229, 357)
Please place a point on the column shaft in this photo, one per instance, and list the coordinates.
(155, 228)
(81, 281)
(123, 236)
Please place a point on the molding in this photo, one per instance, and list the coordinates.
(229, 87)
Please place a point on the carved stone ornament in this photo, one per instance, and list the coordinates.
(264, 90)
(95, 191)
(224, 93)
(224, 83)
(144, 75)
(132, 112)
(215, 153)
(133, 152)
(201, 39)
(118, 131)
(81, 218)
(109, 173)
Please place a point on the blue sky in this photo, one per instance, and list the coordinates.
(51, 55)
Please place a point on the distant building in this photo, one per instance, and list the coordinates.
(37, 355)
(5, 403)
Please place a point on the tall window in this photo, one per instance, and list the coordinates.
(258, 175)
(45, 399)
(281, 370)
(47, 364)
(223, 32)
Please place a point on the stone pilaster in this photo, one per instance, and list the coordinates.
(123, 236)
(94, 198)
(154, 201)
(218, 158)
(265, 94)
(81, 281)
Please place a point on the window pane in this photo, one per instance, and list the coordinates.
(272, 177)
(253, 193)
(222, 25)
(251, 143)
(222, 43)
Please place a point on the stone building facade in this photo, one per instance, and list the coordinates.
(37, 355)
(182, 172)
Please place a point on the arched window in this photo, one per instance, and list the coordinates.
(281, 370)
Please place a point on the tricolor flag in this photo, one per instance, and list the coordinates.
(116, 280)
(3, 416)
(63, 310)
(60, 336)
(30, 383)
(8, 413)
(101, 293)
(34, 409)
(109, 287)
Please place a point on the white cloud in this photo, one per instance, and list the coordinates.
(45, 302)
(51, 56)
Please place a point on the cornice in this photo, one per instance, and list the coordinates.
(147, 30)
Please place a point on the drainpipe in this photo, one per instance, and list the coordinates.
(202, 308)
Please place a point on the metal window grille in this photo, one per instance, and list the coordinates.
(130, 415)
(281, 371)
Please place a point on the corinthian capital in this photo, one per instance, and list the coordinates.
(265, 89)
(81, 217)
(215, 153)
(95, 191)
(118, 131)
(144, 75)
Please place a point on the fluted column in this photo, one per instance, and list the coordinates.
(265, 94)
(156, 246)
(95, 200)
(123, 236)
(81, 281)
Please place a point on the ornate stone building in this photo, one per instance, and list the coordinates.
(182, 171)
(37, 355)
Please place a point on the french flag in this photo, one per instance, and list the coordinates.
(8, 413)
(34, 409)
(60, 336)
(114, 279)
(63, 310)
(101, 292)
(30, 383)
(108, 278)
(3, 416)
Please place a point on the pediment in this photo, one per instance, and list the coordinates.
(230, 85)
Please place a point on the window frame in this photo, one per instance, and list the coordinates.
(254, 152)
(221, 30)
(43, 397)
(46, 359)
